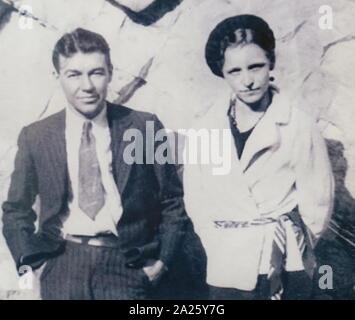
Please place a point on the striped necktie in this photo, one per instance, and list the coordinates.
(91, 191)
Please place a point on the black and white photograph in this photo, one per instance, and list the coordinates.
(177, 150)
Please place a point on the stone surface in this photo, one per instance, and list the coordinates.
(317, 64)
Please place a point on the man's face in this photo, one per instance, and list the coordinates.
(84, 78)
(246, 69)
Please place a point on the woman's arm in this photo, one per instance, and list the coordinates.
(314, 178)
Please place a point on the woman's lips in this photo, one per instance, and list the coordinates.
(251, 92)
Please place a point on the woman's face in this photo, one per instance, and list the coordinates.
(246, 69)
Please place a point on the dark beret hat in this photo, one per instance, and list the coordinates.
(263, 35)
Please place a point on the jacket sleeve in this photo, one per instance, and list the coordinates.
(195, 196)
(173, 215)
(18, 216)
(314, 180)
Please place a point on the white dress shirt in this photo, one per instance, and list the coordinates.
(284, 164)
(77, 222)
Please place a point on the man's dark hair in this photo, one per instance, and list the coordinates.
(80, 40)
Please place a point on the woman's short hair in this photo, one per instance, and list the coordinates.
(80, 40)
(235, 31)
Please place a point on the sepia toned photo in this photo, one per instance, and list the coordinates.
(177, 150)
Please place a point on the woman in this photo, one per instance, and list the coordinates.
(258, 222)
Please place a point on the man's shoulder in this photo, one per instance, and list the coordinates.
(118, 112)
(50, 122)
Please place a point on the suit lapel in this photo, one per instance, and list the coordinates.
(56, 154)
(119, 119)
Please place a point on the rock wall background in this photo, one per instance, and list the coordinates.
(158, 54)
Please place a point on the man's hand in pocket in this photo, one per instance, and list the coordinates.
(154, 269)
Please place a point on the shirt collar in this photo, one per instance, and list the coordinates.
(280, 106)
(76, 120)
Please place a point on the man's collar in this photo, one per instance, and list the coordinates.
(74, 116)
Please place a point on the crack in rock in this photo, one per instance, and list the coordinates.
(44, 109)
(289, 36)
(17, 8)
(332, 44)
(127, 91)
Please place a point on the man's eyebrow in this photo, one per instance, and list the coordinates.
(97, 69)
(71, 71)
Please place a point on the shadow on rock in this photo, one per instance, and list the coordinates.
(335, 248)
(151, 14)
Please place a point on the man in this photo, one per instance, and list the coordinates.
(107, 229)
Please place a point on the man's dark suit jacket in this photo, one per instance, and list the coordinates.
(152, 196)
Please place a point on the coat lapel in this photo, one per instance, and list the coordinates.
(119, 119)
(56, 154)
(266, 135)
